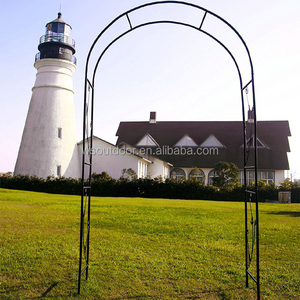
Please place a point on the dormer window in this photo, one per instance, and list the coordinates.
(147, 141)
(212, 141)
(260, 144)
(185, 141)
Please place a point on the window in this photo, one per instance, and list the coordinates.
(147, 141)
(198, 174)
(260, 144)
(186, 141)
(58, 170)
(211, 175)
(266, 176)
(177, 174)
(241, 176)
(165, 172)
(59, 133)
(58, 27)
(212, 141)
(142, 170)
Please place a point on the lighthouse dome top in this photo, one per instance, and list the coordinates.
(58, 31)
(58, 26)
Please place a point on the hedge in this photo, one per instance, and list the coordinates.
(103, 185)
(58, 185)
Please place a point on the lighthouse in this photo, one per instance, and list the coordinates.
(49, 137)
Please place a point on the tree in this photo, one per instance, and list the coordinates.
(129, 174)
(197, 175)
(101, 177)
(226, 174)
(288, 184)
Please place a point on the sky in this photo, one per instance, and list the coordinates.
(177, 71)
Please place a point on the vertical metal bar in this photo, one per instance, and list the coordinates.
(245, 187)
(80, 247)
(256, 195)
(88, 235)
(82, 190)
(90, 179)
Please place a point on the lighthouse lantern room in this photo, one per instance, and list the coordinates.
(57, 41)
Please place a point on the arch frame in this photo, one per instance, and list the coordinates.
(177, 174)
(250, 195)
(198, 174)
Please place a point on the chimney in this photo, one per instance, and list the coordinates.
(152, 117)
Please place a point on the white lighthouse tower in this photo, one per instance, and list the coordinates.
(49, 136)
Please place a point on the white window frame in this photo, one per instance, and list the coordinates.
(211, 174)
(198, 174)
(268, 176)
(177, 174)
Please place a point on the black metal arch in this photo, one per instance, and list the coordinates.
(249, 134)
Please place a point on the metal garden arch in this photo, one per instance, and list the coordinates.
(249, 139)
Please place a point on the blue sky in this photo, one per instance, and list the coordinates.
(176, 71)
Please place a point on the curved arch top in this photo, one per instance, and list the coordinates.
(133, 26)
(88, 112)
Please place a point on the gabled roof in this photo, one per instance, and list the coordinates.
(274, 134)
(129, 151)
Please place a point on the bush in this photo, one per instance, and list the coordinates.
(294, 187)
(54, 185)
(106, 186)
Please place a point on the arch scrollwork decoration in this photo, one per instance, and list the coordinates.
(246, 84)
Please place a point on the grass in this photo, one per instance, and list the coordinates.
(143, 249)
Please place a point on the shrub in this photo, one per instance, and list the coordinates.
(226, 174)
(104, 185)
(293, 187)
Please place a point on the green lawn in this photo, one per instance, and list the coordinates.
(143, 249)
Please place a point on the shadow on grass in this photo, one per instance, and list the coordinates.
(220, 294)
(285, 213)
(53, 285)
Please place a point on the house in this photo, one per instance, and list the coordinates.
(192, 149)
(112, 160)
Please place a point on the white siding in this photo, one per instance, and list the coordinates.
(108, 158)
(51, 107)
(158, 168)
(279, 176)
(206, 172)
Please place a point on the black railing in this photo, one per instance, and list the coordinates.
(38, 57)
(74, 60)
(57, 38)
